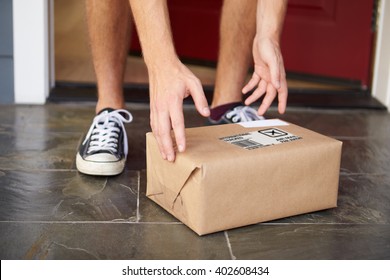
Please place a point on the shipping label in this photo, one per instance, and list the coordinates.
(261, 138)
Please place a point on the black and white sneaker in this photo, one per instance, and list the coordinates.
(104, 149)
(237, 114)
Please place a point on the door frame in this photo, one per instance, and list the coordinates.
(33, 40)
(381, 78)
(34, 76)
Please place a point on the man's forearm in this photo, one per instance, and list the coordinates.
(270, 17)
(152, 21)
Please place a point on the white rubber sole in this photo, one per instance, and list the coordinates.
(99, 168)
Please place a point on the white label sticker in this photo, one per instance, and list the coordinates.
(263, 123)
(261, 138)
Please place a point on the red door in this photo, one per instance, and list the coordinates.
(195, 29)
(331, 38)
(327, 38)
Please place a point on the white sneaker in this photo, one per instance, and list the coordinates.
(105, 147)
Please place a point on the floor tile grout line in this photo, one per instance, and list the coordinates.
(75, 170)
(41, 169)
(91, 222)
(180, 223)
(51, 169)
(138, 195)
(229, 245)
(361, 174)
(105, 184)
(23, 129)
(319, 223)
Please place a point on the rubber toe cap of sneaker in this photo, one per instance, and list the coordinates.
(102, 157)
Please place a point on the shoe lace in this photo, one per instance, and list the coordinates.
(243, 114)
(105, 129)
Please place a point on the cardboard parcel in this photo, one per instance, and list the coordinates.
(240, 174)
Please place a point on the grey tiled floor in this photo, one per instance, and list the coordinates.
(50, 211)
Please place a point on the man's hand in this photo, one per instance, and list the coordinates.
(169, 80)
(269, 75)
(168, 87)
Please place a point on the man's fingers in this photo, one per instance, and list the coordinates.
(261, 88)
(177, 121)
(267, 101)
(165, 140)
(200, 101)
(161, 127)
(282, 97)
(253, 82)
(275, 71)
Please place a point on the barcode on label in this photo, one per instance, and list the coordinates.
(247, 144)
(260, 138)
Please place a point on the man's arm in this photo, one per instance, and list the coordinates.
(269, 74)
(169, 80)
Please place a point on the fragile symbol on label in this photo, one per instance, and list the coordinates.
(273, 132)
(261, 138)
